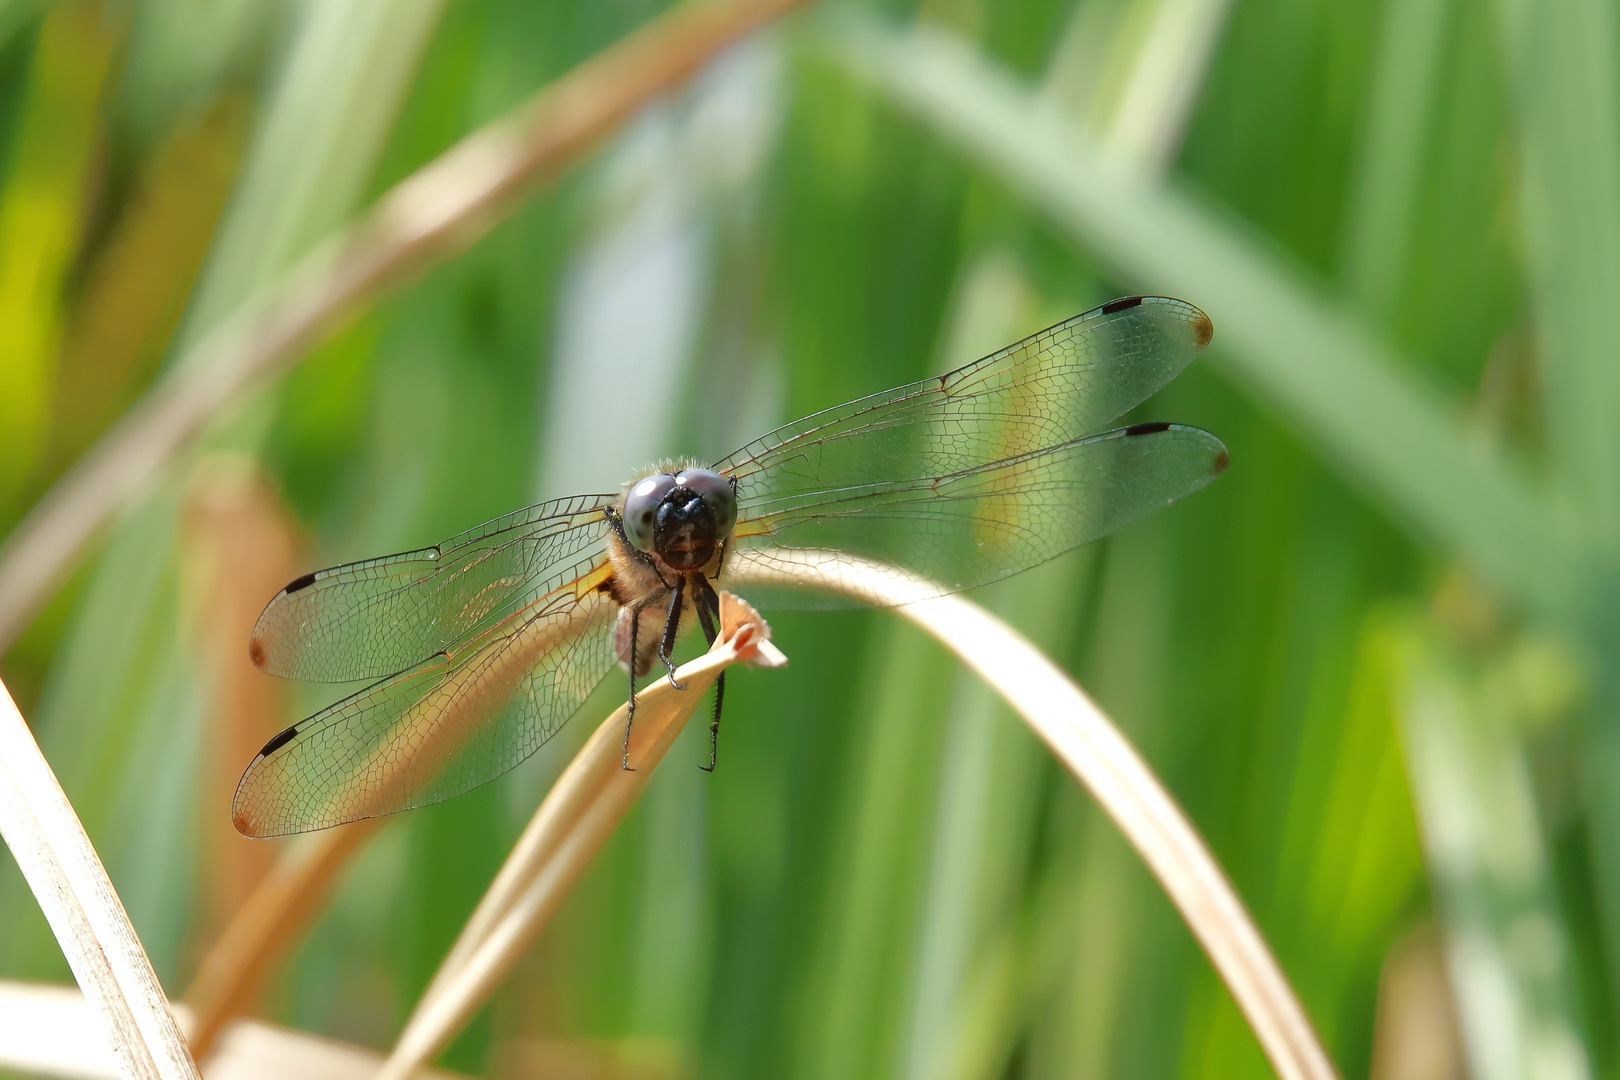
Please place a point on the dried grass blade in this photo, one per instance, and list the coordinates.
(62, 869)
(1085, 740)
(583, 808)
(432, 214)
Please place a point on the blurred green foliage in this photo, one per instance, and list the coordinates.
(887, 876)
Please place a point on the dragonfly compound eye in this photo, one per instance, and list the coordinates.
(641, 509)
(716, 493)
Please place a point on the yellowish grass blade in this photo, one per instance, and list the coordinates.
(239, 547)
(62, 869)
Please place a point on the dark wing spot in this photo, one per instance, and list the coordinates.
(278, 741)
(1222, 460)
(1124, 303)
(256, 653)
(299, 583)
(1151, 427)
(1203, 330)
(606, 586)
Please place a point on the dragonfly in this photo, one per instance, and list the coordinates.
(479, 649)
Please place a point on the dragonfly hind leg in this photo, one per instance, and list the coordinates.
(708, 610)
(630, 664)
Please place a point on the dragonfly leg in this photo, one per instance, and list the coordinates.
(672, 628)
(630, 710)
(708, 609)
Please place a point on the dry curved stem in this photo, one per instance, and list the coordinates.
(1085, 740)
(66, 876)
(578, 815)
(432, 214)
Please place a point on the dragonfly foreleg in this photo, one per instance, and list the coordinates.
(672, 629)
(708, 609)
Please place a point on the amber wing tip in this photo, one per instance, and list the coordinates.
(1203, 329)
(245, 824)
(1222, 460)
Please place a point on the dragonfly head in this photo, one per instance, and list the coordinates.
(681, 518)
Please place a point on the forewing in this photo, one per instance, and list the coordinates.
(1053, 387)
(369, 619)
(436, 730)
(974, 475)
(977, 525)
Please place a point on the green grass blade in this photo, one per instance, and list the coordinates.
(1462, 719)
(322, 133)
(1563, 59)
(1384, 196)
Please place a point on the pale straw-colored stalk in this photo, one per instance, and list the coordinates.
(1087, 742)
(85, 914)
(434, 213)
(581, 811)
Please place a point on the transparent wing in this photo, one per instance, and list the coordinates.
(1068, 381)
(369, 619)
(437, 729)
(947, 476)
(978, 525)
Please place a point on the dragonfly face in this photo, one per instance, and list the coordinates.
(681, 519)
(478, 649)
